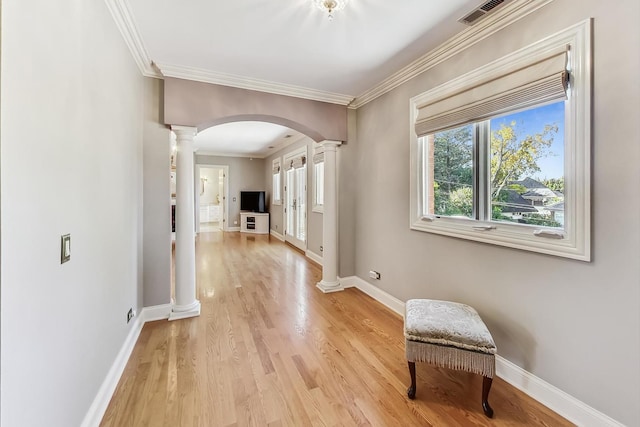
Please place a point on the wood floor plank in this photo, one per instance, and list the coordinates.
(270, 349)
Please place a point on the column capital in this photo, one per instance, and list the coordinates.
(329, 144)
(184, 131)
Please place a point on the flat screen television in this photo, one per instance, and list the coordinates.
(252, 201)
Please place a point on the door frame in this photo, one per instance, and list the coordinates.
(225, 195)
(285, 158)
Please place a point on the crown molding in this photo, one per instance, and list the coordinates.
(224, 79)
(200, 152)
(507, 15)
(127, 26)
(257, 156)
(502, 18)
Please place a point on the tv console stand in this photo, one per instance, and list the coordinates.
(253, 222)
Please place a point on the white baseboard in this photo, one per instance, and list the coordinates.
(555, 399)
(192, 310)
(374, 292)
(108, 387)
(552, 397)
(231, 229)
(277, 235)
(156, 312)
(314, 257)
(347, 282)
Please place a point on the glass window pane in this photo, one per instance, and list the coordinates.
(276, 187)
(450, 172)
(290, 206)
(527, 166)
(319, 183)
(301, 207)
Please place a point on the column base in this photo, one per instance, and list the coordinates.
(185, 311)
(328, 287)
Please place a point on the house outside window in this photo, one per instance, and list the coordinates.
(318, 180)
(276, 198)
(501, 154)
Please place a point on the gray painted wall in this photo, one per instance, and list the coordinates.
(71, 130)
(314, 225)
(576, 325)
(244, 174)
(348, 185)
(157, 200)
(277, 211)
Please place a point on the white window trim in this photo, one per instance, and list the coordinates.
(273, 164)
(316, 207)
(576, 243)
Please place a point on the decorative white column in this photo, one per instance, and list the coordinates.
(330, 281)
(186, 304)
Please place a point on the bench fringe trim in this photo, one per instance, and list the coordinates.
(451, 358)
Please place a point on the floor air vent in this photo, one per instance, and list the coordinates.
(483, 10)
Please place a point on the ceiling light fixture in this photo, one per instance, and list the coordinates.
(330, 6)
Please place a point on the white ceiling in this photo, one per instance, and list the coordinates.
(292, 43)
(245, 139)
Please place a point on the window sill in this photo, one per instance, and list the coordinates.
(318, 209)
(529, 238)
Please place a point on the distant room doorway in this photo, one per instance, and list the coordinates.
(211, 198)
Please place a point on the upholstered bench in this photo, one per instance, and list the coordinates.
(449, 335)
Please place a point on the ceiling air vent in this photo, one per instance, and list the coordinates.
(483, 10)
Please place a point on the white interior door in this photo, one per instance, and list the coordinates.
(296, 207)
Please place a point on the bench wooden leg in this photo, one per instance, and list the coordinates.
(411, 391)
(486, 387)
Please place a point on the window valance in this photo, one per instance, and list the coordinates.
(318, 155)
(295, 162)
(537, 80)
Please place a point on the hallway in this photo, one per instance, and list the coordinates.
(270, 349)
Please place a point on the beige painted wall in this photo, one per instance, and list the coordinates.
(71, 133)
(244, 174)
(203, 105)
(576, 325)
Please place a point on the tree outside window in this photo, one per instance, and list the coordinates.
(525, 159)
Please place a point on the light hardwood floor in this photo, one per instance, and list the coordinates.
(269, 349)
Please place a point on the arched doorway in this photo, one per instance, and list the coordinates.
(190, 107)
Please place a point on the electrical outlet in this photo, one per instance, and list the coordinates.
(235, 222)
(374, 274)
(130, 315)
(321, 248)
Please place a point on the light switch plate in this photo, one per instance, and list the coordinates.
(65, 248)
